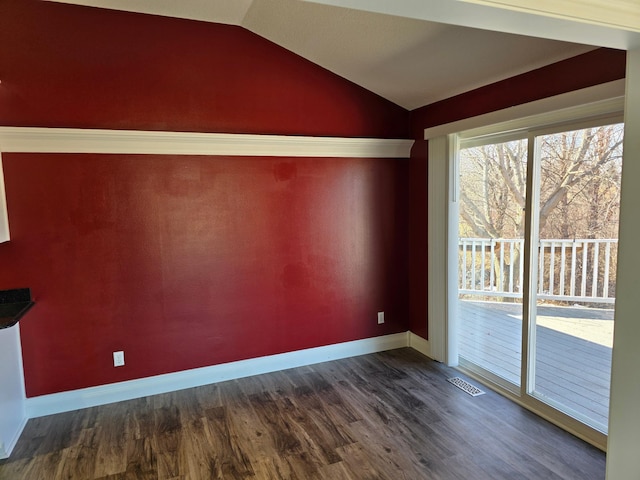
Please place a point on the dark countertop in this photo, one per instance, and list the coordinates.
(13, 305)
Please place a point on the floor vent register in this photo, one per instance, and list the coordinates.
(465, 386)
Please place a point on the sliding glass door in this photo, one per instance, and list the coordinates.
(578, 200)
(537, 248)
(492, 193)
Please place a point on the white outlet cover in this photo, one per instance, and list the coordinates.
(118, 359)
(380, 317)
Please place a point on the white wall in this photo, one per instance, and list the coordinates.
(12, 395)
(623, 453)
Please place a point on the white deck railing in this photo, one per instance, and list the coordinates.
(579, 270)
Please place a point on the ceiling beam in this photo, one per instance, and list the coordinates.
(511, 16)
(621, 14)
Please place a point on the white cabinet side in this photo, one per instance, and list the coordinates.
(4, 216)
(12, 395)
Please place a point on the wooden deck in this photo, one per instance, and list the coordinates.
(572, 371)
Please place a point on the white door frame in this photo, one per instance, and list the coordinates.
(443, 223)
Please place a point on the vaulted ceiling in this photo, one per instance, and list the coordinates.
(410, 61)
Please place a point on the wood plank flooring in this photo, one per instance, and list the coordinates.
(390, 415)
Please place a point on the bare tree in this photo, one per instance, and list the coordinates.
(579, 187)
(580, 169)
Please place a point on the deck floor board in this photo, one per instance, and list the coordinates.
(572, 371)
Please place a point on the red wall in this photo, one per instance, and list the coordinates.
(586, 70)
(183, 261)
(592, 68)
(71, 66)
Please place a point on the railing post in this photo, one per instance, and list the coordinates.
(572, 288)
(583, 291)
(511, 244)
(607, 260)
(473, 265)
(541, 268)
(563, 261)
(594, 281)
(552, 267)
(464, 265)
(501, 276)
(483, 268)
(521, 272)
(492, 258)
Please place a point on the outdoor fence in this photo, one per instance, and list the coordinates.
(577, 270)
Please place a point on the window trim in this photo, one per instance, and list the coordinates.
(604, 99)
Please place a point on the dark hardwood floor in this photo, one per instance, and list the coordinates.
(390, 415)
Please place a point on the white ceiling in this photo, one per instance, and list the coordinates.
(410, 61)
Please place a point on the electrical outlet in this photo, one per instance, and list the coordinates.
(118, 359)
(380, 317)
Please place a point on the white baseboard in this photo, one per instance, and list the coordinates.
(420, 344)
(116, 392)
(5, 450)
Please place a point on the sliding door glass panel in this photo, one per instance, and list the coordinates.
(492, 193)
(577, 251)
